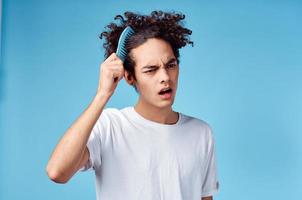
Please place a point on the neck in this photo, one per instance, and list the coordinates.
(161, 115)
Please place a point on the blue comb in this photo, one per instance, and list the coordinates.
(121, 47)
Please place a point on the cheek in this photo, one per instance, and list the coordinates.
(147, 86)
(143, 85)
(174, 75)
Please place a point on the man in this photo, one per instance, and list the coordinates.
(148, 151)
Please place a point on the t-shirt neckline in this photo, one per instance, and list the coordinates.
(153, 123)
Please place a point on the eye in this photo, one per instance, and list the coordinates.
(149, 71)
(172, 65)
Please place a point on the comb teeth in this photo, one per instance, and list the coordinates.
(121, 47)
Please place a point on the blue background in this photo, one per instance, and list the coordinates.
(243, 76)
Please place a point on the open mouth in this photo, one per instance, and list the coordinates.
(165, 91)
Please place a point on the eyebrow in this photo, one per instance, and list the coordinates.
(153, 66)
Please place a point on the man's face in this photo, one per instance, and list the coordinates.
(156, 69)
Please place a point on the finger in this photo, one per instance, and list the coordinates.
(115, 67)
(109, 66)
(113, 57)
(116, 62)
(118, 75)
(118, 71)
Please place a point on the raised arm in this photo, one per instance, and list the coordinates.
(71, 153)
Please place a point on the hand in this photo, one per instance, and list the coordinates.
(111, 72)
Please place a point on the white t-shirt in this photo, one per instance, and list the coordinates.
(135, 158)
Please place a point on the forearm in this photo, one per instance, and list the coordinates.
(67, 155)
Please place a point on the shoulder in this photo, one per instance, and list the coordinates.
(112, 112)
(205, 133)
(194, 121)
(107, 116)
(201, 125)
(115, 115)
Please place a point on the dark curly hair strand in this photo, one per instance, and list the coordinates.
(159, 24)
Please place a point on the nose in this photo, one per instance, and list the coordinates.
(164, 75)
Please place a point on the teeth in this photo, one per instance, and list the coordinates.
(165, 90)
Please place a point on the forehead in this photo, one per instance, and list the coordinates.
(153, 51)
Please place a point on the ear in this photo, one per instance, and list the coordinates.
(129, 79)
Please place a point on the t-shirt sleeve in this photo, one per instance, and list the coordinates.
(210, 184)
(94, 143)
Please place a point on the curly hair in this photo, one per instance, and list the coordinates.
(159, 24)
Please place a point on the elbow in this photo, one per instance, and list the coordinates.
(55, 175)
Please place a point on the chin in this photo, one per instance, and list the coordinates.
(165, 104)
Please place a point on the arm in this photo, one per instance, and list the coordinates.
(71, 153)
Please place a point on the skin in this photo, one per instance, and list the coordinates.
(156, 68)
